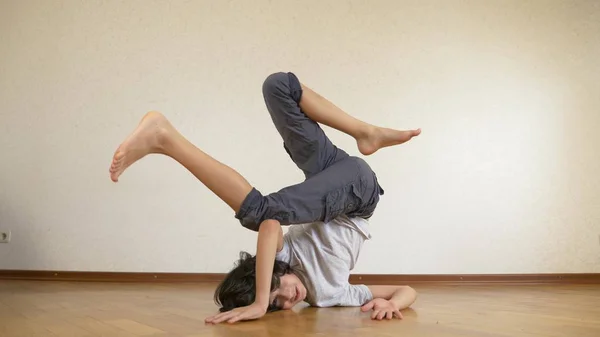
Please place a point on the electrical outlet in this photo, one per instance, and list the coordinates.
(4, 236)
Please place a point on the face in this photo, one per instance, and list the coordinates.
(291, 291)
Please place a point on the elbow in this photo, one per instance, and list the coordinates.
(412, 294)
(410, 290)
(269, 225)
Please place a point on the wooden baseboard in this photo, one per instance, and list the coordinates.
(392, 279)
(471, 279)
(100, 276)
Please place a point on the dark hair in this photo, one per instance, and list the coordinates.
(238, 289)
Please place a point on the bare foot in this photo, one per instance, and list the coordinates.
(379, 138)
(145, 139)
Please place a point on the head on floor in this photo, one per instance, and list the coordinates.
(238, 287)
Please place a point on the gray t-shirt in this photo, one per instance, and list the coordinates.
(323, 254)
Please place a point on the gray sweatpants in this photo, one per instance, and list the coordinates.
(336, 183)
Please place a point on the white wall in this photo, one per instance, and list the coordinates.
(504, 179)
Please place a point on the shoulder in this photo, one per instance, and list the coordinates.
(286, 252)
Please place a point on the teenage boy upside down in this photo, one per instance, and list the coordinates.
(328, 212)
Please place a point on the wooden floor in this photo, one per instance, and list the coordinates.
(31, 308)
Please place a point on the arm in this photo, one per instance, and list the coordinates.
(401, 297)
(389, 300)
(270, 241)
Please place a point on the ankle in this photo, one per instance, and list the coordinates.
(164, 140)
(366, 131)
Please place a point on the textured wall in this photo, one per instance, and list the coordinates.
(504, 179)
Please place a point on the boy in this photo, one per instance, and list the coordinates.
(330, 208)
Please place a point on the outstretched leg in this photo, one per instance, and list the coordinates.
(155, 134)
(369, 138)
(347, 187)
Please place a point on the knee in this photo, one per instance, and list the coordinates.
(251, 210)
(275, 82)
(257, 208)
(282, 86)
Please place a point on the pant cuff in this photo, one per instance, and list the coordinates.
(244, 214)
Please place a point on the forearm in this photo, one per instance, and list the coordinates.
(268, 241)
(403, 297)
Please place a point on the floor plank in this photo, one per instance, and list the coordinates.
(57, 309)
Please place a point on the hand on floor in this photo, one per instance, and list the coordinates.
(381, 309)
(250, 312)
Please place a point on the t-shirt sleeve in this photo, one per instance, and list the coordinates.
(355, 295)
(285, 254)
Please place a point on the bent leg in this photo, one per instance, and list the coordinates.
(296, 111)
(304, 140)
(369, 138)
(348, 187)
(155, 135)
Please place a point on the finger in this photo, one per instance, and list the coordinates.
(215, 318)
(381, 315)
(389, 315)
(212, 318)
(236, 318)
(225, 317)
(367, 306)
(374, 314)
(398, 314)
